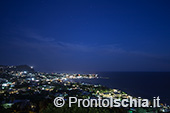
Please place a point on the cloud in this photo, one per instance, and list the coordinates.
(46, 44)
(38, 41)
(38, 37)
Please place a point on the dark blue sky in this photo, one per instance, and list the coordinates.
(82, 35)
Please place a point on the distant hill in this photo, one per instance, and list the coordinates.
(17, 68)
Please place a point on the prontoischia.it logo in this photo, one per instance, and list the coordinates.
(107, 102)
(59, 101)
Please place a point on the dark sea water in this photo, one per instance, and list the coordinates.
(143, 84)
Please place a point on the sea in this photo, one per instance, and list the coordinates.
(138, 84)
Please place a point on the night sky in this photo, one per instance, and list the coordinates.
(86, 36)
